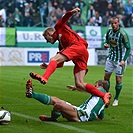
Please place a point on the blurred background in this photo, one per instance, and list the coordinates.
(23, 21)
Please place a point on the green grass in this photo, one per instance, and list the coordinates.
(25, 111)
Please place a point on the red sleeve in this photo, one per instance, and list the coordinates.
(64, 19)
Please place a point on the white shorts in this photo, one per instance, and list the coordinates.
(111, 66)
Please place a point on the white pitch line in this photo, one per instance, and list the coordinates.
(53, 123)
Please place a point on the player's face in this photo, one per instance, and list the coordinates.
(49, 37)
(115, 24)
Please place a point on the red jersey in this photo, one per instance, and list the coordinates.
(71, 44)
(65, 35)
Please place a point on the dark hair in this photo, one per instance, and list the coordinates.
(103, 83)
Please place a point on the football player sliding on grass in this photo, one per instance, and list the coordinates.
(71, 47)
(91, 109)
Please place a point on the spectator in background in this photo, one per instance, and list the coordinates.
(128, 14)
(18, 17)
(96, 5)
(27, 9)
(10, 21)
(52, 19)
(3, 13)
(102, 4)
(2, 3)
(59, 12)
(33, 11)
(44, 13)
(97, 19)
(91, 12)
(2, 23)
(68, 5)
(110, 10)
(120, 9)
(50, 7)
(76, 20)
(116, 5)
(82, 4)
(28, 20)
(21, 6)
(106, 19)
(90, 22)
(55, 3)
(10, 4)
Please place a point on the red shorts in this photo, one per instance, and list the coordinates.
(79, 55)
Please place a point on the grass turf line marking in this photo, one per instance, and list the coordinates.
(53, 123)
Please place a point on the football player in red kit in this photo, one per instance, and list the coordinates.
(71, 47)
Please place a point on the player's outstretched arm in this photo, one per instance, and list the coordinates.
(75, 10)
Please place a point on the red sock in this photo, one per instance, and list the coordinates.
(93, 90)
(50, 69)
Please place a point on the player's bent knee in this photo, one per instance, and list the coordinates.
(58, 106)
(55, 99)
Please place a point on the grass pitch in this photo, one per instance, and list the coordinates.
(25, 111)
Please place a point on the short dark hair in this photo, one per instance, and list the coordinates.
(104, 84)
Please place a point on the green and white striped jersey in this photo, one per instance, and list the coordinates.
(119, 45)
(92, 108)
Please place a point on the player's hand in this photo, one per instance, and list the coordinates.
(73, 88)
(75, 10)
(106, 45)
(122, 63)
(43, 66)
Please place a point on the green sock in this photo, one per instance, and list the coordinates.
(43, 98)
(118, 88)
(55, 114)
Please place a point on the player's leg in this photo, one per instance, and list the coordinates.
(45, 99)
(109, 68)
(90, 88)
(54, 114)
(57, 59)
(118, 88)
(67, 110)
(107, 78)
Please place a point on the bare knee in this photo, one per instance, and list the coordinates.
(58, 106)
(107, 76)
(118, 79)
